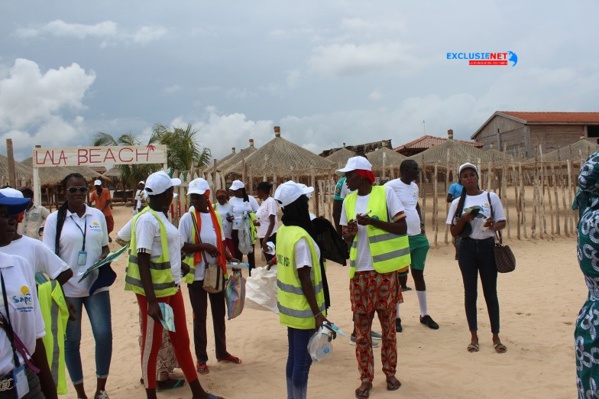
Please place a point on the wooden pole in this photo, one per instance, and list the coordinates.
(522, 202)
(435, 206)
(570, 199)
(12, 178)
(556, 200)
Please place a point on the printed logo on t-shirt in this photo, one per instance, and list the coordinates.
(95, 226)
(23, 302)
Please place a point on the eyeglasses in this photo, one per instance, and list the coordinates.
(81, 189)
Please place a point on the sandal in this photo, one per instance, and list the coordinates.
(202, 368)
(393, 383)
(363, 393)
(473, 347)
(500, 348)
(230, 359)
(168, 384)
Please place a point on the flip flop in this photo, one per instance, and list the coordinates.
(202, 369)
(230, 359)
(473, 347)
(364, 393)
(211, 396)
(500, 348)
(393, 385)
(169, 384)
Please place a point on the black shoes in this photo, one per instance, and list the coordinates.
(426, 320)
(398, 327)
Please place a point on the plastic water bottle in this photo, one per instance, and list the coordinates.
(320, 345)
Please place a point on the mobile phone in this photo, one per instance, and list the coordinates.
(475, 211)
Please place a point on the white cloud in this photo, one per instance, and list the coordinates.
(352, 59)
(172, 89)
(107, 31)
(375, 95)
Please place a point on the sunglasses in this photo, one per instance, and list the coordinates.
(81, 189)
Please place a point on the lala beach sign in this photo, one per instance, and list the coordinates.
(501, 58)
(89, 156)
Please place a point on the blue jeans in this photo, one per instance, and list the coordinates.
(298, 363)
(98, 310)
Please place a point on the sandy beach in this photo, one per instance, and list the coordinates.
(539, 304)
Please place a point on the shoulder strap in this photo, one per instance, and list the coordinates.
(497, 233)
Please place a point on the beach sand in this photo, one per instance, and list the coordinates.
(539, 304)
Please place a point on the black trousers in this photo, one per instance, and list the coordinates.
(238, 255)
(199, 305)
(477, 257)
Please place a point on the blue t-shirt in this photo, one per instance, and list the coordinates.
(455, 190)
(338, 189)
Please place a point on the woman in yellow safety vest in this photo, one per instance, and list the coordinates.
(300, 298)
(154, 275)
(374, 224)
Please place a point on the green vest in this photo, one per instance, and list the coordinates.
(390, 252)
(160, 269)
(189, 259)
(56, 315)
(294, 310)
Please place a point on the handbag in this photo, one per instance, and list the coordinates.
(235, 294)
(214, 281)
(505, 261)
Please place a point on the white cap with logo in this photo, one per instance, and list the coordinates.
(159, 182)
(198, 186)
(98, 182)
(355, 163)
(237, 184)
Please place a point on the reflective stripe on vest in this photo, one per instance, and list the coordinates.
(55, 313)
(160, 269)
(294, 310)
(390, 252)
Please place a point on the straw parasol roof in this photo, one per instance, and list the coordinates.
(209, 168)
(384, 158)
(578, 151)
(22, 172)
(283, 158)
(234, 159)
(451, 151)
(54, 175)
(339, 158)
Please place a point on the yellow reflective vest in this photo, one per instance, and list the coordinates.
(390, 252)
(55, 313)
(160, 269)
(294, 310)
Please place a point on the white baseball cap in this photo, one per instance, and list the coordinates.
(14, 204)
(290, 191)
(355, 163)
(159, 182)
(98, 182)
(11, 192)
(142, 182)
(237, 184)
(198, 186)
(467, 165)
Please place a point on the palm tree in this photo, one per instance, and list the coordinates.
(130, 174)
(184, 153)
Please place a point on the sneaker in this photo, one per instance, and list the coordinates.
(352, 341)
(398, 326)
(376, 335)
(406, 288)
(429, 322)
(102, 395)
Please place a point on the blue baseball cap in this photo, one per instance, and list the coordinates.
(14, 205)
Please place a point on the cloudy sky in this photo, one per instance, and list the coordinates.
(327, 72)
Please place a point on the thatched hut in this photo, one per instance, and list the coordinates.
(54, 175)
(577, 152)
(339, 158)
(385, 162)
(23, 173)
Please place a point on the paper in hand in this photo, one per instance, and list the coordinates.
(168, 317)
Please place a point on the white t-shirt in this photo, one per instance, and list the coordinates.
(33, 219)
(207, 235)
(224, 211)
(23, 307)
(238, 207)
(478, 231)
(93, 224)
(364, 257)
(303, 257)
(139, 197)
(41, 258)
(147, 235)
(408, 195)
(267, 207)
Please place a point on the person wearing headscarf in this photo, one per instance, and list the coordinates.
(585, 335)
(476, 217)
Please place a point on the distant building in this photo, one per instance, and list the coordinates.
(425, 142)
(521, 133)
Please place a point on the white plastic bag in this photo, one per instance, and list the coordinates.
(320, 345)
(245, 236)
(261, 289)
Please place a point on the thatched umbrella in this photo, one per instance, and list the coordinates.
(23, 173)
(282, 159)
(578, 152)
(219, 162)
(339, 158)
(450, 151)
(54, 175)
(385, 160)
